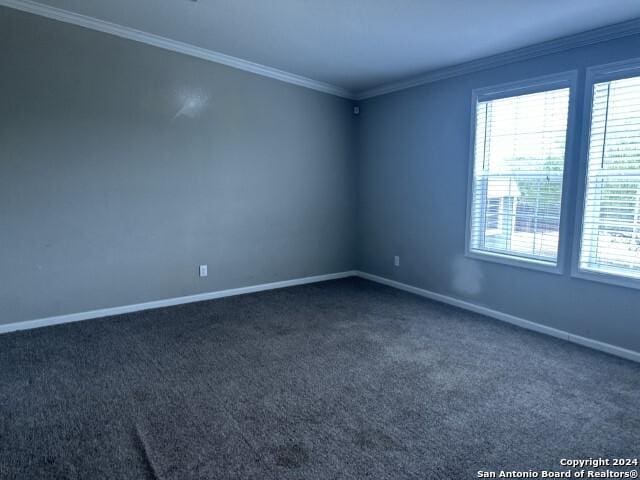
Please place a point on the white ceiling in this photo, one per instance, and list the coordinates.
(357, 44)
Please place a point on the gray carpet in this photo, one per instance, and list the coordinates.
(344, 379)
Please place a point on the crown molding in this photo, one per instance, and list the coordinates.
(611, 32)
(92, 23)
(603, 34)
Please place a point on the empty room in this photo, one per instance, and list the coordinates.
(305, 239)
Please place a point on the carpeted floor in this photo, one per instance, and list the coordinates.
(343, 379)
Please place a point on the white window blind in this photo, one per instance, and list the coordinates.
(611, 219)
(518, 168)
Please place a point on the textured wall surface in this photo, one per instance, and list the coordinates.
(414, 164)
(123, 167)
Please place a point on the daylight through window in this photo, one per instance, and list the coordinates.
(611, 220)
(517, 175)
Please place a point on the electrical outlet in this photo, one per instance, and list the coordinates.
(396, 261)
(203, 271)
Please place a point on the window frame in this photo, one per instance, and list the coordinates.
(596, 74)
(567, 79)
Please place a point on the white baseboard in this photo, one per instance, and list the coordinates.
(107, 312)
(505, 317)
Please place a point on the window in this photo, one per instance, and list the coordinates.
(518, 167)
(610, 240)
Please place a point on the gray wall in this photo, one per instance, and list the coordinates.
(109, 197)
(123, 167)
(413, 169)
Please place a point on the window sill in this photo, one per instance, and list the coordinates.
(602, 277)
(529, 264)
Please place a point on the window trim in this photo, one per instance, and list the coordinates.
(568, 79)
(596, 74)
